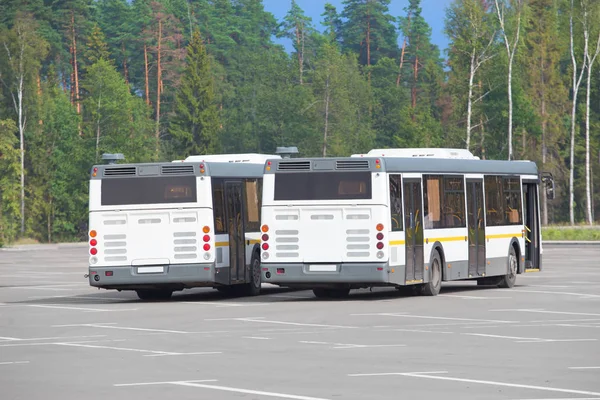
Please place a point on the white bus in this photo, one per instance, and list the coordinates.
(157, 228)
(399, 217)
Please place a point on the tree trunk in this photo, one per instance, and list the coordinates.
(98, 126)
(401, 63)
(470, 98)
(125, 71)
(158, 87)
(588, 191)
(326, 117)
(576, 82)
(147, 83)
(75, 69)
(22, 142)
(544, 150)
(416, 77)
(510, 110)
(300, 50)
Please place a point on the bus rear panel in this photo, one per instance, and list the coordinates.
(323, 221)
(151, 225)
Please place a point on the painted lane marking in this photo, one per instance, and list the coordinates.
(13, 362)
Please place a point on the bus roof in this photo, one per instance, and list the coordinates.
(249, 158)
(214, 169)
(421, 152)
(404, 164)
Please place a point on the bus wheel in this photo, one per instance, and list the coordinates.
(154, 294)
(254, 285)
(432, 288)
(509, 279)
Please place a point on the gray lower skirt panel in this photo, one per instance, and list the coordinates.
(177, 276)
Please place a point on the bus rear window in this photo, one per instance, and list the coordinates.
(323, 186)
(155, 190)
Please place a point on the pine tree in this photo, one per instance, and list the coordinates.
(96, 48)
(297, 27)
(196, 122)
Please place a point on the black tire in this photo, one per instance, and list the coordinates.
(321, 293)
(154, 294)
(253, 287)
(432, 288)
(512, 266)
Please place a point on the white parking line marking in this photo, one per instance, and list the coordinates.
(492, 383)
(266, 321)
(127, 328)
(399, 373)
(584, 367)
(473, 297)
(58, 338)
(256, 337)
(80, 308)
(158, 383)
(199, 353)
(91, 346)
(247, 391)
(415, 330)
(351, 345)
(542, 311)
(223, 304)
(432, 317)
(585, 295)
(8, 338)
(14, 362)
(504, 337)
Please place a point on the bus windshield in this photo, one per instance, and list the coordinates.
(148, 190)
(323, 186)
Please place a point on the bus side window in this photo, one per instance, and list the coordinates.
(253, 197)
(396, 203)
(218, 206)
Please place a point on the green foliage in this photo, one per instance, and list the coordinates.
(195, 125)
(10, 212)
(96, 47)
(574, 234)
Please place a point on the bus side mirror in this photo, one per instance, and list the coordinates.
(548, 181)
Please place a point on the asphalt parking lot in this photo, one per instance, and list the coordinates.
(61, 339)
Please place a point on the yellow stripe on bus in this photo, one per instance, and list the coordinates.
(221, 244)
(447, 239)
(503, 236)
(396, 242)
(254, 241)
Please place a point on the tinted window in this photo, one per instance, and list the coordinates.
(396, 202)
(323, 186)
(444, 199)
(155, 190)
(253, 189)
(503, 201)
(512, 197)
(218, 196)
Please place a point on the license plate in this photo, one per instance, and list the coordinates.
(150, 270)
(322, 268)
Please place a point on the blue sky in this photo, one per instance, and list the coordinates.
(433, 11)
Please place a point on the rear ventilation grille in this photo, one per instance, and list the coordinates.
(177, 169)
(119, 171)
(293, 166)
(352, 164)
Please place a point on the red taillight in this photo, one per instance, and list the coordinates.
(206, 247)
(265, 246)
(93, 242)
(380, 236)
(93, 251)
(108, 273)
(268, 162)
(206, 238)
(380, 245)
(265, 237)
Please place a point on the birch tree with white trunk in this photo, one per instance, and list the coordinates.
(511, 48)
(590, 59)
(21, 54)
(473, 37)
(576, 82)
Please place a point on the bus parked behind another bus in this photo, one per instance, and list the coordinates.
(399, 217)
(157, 228)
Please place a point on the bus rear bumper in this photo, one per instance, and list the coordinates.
(342, 273)
(176, 276)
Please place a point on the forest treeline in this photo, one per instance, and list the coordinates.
(162, 79)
